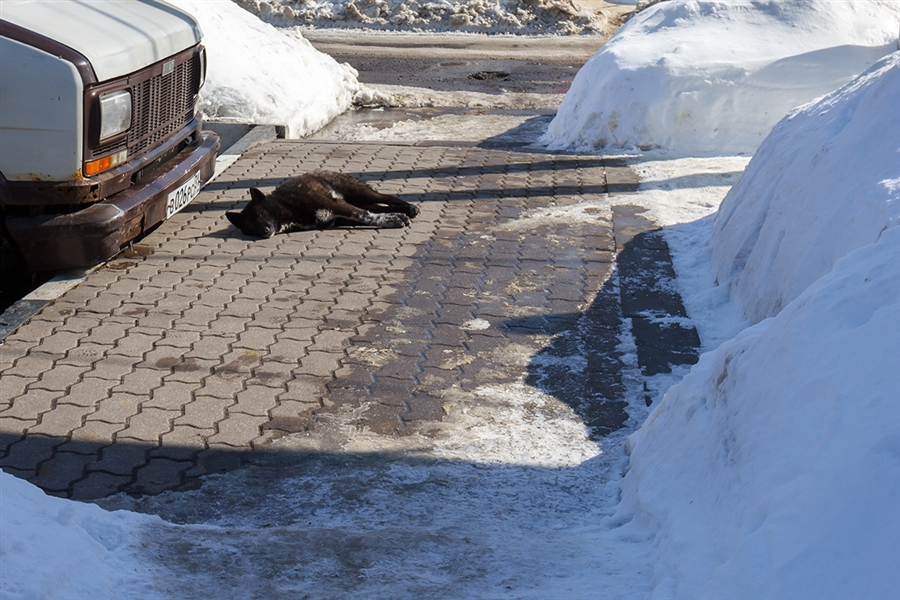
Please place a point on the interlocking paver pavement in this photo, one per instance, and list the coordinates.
(200, 345)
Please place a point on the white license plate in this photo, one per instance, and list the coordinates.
(181, 197)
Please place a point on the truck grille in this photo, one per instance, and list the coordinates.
(161, 106)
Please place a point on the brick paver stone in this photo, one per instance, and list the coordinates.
(184, 357)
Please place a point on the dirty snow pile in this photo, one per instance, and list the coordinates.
(263, 75)
(470, 16)
(773, 469)
(712, 78)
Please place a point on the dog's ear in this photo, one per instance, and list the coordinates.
(236, 219)
(256, 195)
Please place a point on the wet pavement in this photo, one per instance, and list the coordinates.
(193, 352)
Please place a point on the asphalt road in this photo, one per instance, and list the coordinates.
(474, 63)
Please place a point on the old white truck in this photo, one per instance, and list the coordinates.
(100, 139)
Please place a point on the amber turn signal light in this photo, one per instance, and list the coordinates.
(107, 162)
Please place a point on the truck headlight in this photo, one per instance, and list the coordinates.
(115, 113)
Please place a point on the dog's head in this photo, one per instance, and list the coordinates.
(256, 219)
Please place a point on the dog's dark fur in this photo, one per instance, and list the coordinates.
(317, 200)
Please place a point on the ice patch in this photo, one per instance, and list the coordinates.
(513, 424)
(476, 325)
(667, 319)
(584, 212)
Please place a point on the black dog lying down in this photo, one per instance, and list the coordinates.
(316, 200)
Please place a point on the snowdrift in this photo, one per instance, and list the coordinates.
(56, 548)
(825, 181)
(712, 78)
(773, 469)
(262, 75)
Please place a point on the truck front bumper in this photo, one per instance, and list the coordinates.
(97, 232)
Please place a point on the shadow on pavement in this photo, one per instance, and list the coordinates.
(582, 366)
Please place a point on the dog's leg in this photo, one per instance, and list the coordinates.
(360, 194)
(353, 214)
(383, 203)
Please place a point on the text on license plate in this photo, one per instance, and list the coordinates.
(181, 197)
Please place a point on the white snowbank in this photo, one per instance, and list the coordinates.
(55, 548)
(825, 181)
(263, 75)
(773, 469)
(706, 78)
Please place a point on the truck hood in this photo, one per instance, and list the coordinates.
(118, 37)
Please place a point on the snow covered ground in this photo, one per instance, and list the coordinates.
(772, 470)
